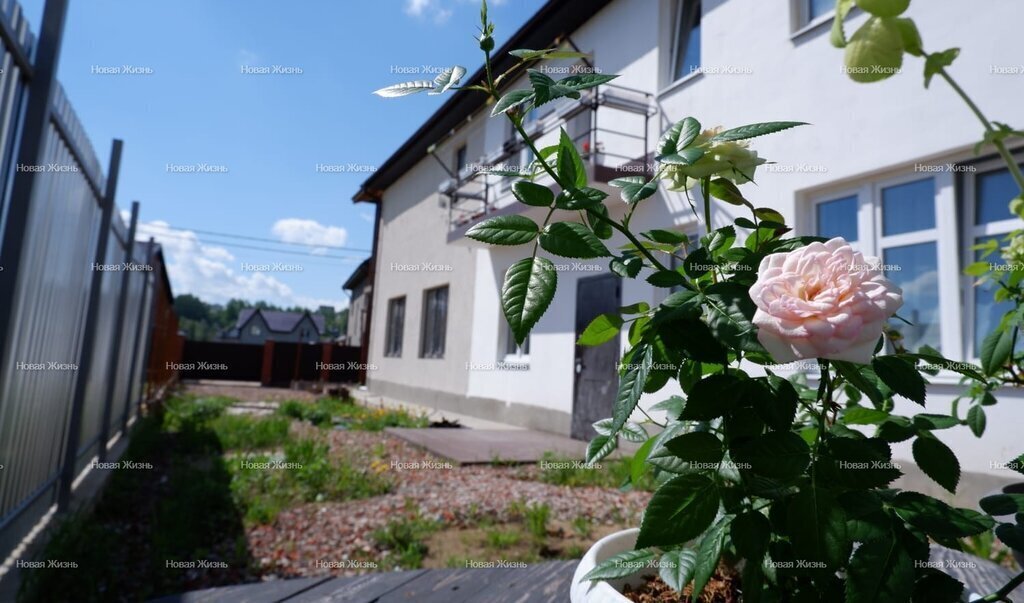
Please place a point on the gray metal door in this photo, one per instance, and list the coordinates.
(596, 377)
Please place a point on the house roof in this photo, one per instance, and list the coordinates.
(358, 275)
(555, 20)
(279, 321)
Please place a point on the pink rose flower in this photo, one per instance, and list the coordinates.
(824, 300)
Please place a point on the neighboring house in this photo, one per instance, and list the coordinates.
(888, 165)
(360, 287)
(257, 326)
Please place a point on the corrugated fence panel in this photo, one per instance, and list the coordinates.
(12, 93)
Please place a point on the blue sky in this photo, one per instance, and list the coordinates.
(268, 130)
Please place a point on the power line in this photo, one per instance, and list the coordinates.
(157, 233)
(264, 239)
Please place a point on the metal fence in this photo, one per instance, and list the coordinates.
(75, 292)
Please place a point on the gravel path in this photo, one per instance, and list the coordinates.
(333, 533)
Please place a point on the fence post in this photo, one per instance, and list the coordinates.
(151, 326)
(73, 439)
(30, 151)
(115, 348)
(138, 334)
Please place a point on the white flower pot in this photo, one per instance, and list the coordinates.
(585, 591)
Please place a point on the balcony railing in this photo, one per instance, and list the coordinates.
(608, 124)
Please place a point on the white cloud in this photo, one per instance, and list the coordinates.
(212, 273)
(367, 215)
(432, 9)
(309, 232)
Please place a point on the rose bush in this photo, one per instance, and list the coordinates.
(786, 477)
(824, 300)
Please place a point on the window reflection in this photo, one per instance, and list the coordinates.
(838, 218)
(908, 207)
(914, 269)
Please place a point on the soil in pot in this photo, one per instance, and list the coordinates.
(722, 588)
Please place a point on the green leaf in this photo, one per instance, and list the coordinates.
(602, 229)
(667, 278)
(1003, 504)
(880, 570)
(679, 136)
(698, 263)
(634, 188)
(864, 379)
(679, 511)
(672, 406)
(580, 198)
(723, 189)
(405, 89)
(778, 406)
(708, 554)
(586, 80)
(937, 61)
(572, 240)
(901, 376)
(600, 447)
(938, 462)
(856, 463)
(912, 43)
(860, 415)
(995, 350)
(779, 455)
(546, 89)
(447, 78)
(683, 157)
(755, 130)
(528, 290)
(626, 267)
(838, 36)
(697, 447)
(676, 568)
(1012, 536)
(710, 398)
(751, 532)
(621, 565)
(533, 194)
(602, 329)
(937, 519)
(504, 230)
(936, 360)
(637, 308)
(568, 163)
(931, 422)
(638, 464)
(669, 237)
(633, 432)
(976, 420)
(631, 385)
(730, 310)
(937, 587)
(817, 528)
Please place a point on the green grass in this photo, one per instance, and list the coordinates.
(405, 540)
(246, 432)
(327, 411)
(263, 486)
(537, 517)
(501, 539)
(613, 473)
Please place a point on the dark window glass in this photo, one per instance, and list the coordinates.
(838, 218)
(460, 159)
(435, 322)
(395, 325)
(687, 51)
(908, 207)
(817, 8)
(993, 192)
(914, 268)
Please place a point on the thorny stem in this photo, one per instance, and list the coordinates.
(997, 143)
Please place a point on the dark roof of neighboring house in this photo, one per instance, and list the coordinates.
(554, 20)
(279, 321)
(358, 275)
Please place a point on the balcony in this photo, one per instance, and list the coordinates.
(608, 124)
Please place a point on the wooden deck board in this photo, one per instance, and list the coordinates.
(271, 591)
(358, 589)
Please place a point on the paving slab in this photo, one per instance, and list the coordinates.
(469, 446)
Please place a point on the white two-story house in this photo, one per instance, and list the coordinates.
(888, 165)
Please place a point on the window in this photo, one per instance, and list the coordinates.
(908, 246)
(987, 218)
(837, 218)
(435, 322)
(255, 330)
(686, 55)
(512, 351)
(460, 159)
(394, 327)
(818, 8)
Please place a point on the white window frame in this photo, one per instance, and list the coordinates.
(871, 242)
(970, 232)
(677, 26)
(517, 357)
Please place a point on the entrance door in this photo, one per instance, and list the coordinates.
(596, 367)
